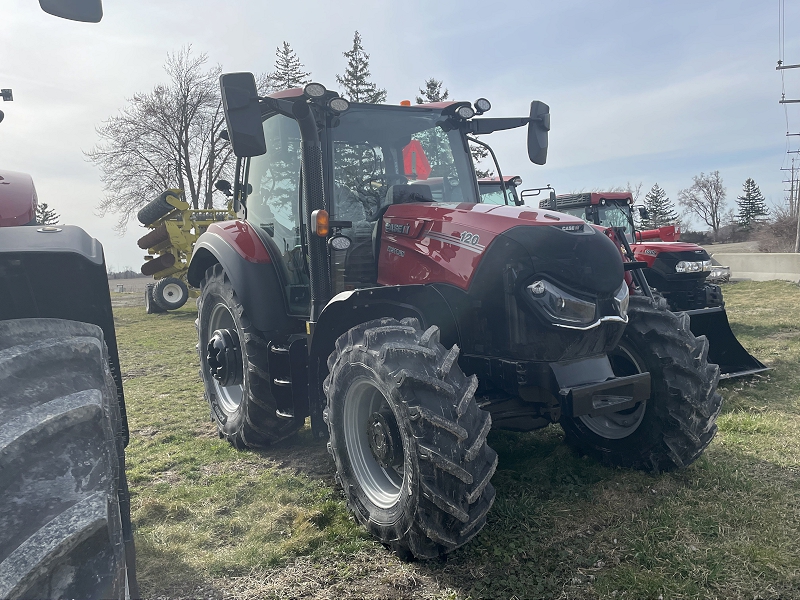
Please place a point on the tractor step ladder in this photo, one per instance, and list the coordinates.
(289, 377)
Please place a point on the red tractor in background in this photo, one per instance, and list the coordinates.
(65, 529)
(365, 285)
(677, 270)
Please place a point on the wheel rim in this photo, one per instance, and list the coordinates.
(619, 425)
(229, 396)
(381, 485)
(173, 293)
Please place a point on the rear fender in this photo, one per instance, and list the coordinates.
(249, 266)
(59, 273)
(348, 309)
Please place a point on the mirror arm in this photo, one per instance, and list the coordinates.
(484, 126)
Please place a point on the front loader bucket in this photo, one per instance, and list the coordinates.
(723, 347)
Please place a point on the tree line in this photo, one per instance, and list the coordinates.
(706, 199)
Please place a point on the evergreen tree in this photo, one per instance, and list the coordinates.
(752, 208)
(433, 92)
(660, 208)
(355, 82)
(46, 216)
(288, 70)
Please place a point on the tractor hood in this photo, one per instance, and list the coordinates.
(17, 199)
(448, 243)
(672, 252)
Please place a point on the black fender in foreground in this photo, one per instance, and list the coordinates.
(348, 309)
(59, 273)
(256, 283)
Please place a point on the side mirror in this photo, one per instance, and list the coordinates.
(538, 126)
(645, 216)
(242, 114)
(88, 11)
(553, 203)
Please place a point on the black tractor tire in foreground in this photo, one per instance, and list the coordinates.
(64, 508)
(155, 209)
(244, 411)
(150, 305)
(407, 437)
(170, 293)
(672, 428)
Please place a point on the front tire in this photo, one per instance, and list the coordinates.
(407, 437)
(243, 407)
(672, 428)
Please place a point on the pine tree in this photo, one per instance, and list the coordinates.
(288, 69)
(433, 92)
(46, 216)
(355, 82)
(660, 208)
(752, 208)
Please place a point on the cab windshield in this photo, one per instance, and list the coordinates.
(608, 215)
(386, 155)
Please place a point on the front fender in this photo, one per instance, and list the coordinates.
(251, 271)
(348, 309)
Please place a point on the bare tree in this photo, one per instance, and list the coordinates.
(705, 198)
(168, 137)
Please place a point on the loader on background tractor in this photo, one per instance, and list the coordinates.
(365, 285)
(65, 528)
(175, 228)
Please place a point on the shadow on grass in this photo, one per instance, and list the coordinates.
(302, 454)
(164, 574)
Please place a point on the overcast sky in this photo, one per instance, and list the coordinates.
(639, 91)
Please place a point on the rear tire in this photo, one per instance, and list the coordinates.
(170, 293)
(672, 428)
(244, 412)
(408, 439)
(64, 510)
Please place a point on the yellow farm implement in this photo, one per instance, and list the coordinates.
(174, 228)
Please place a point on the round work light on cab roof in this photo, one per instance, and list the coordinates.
(314, 90)
(465, 112)
(482, 105)
(338, 105)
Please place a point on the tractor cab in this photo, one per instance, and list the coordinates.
(497, 190)
(608, 209)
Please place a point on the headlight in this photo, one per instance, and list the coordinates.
(685, 266)
(621, 299)
(560, 305)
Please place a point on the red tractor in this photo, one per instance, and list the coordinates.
(366, 286)
(677, 270)
(65, 529)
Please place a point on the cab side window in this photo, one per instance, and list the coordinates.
(273, 204)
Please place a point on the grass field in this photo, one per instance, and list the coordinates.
(212, 522)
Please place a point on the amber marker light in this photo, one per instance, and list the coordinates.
(319, 222)
(405, 102)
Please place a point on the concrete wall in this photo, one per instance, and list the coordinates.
(760, 266)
